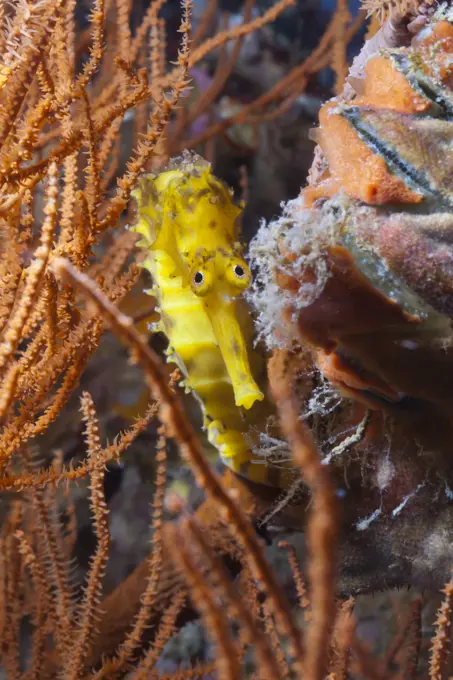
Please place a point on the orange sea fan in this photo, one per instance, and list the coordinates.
(62, 135)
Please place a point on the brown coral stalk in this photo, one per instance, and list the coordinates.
(204, 597)
(322, 530)
(266, 662)
(441, 641)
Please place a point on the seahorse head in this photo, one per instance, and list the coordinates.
(219, 271)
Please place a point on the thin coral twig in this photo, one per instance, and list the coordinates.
(342, 636)
(50, 552)
(159, 121)
(322, 530)
(218, 81)
(133, 639)
(441, 641)
(302, 595)
(339, 57)
(266, 662)
(88, 608)
(35, 273)
(239, 31)
(93, 182)
(43, 605)
(96, 49)
(167, 627)
(294, 80)
(205, 23)
(216, 622)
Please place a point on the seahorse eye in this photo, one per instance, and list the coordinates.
(238, 274)
(201, 279)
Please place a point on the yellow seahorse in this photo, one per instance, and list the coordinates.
(189, 223)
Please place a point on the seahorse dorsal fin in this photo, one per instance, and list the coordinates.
(148, 210)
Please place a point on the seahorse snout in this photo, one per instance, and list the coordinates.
(232, 345)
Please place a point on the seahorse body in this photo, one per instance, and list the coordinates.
(189, 225)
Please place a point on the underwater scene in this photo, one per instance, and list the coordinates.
(226, 339)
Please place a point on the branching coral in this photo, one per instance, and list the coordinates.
(63, 132)
(208, 582)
